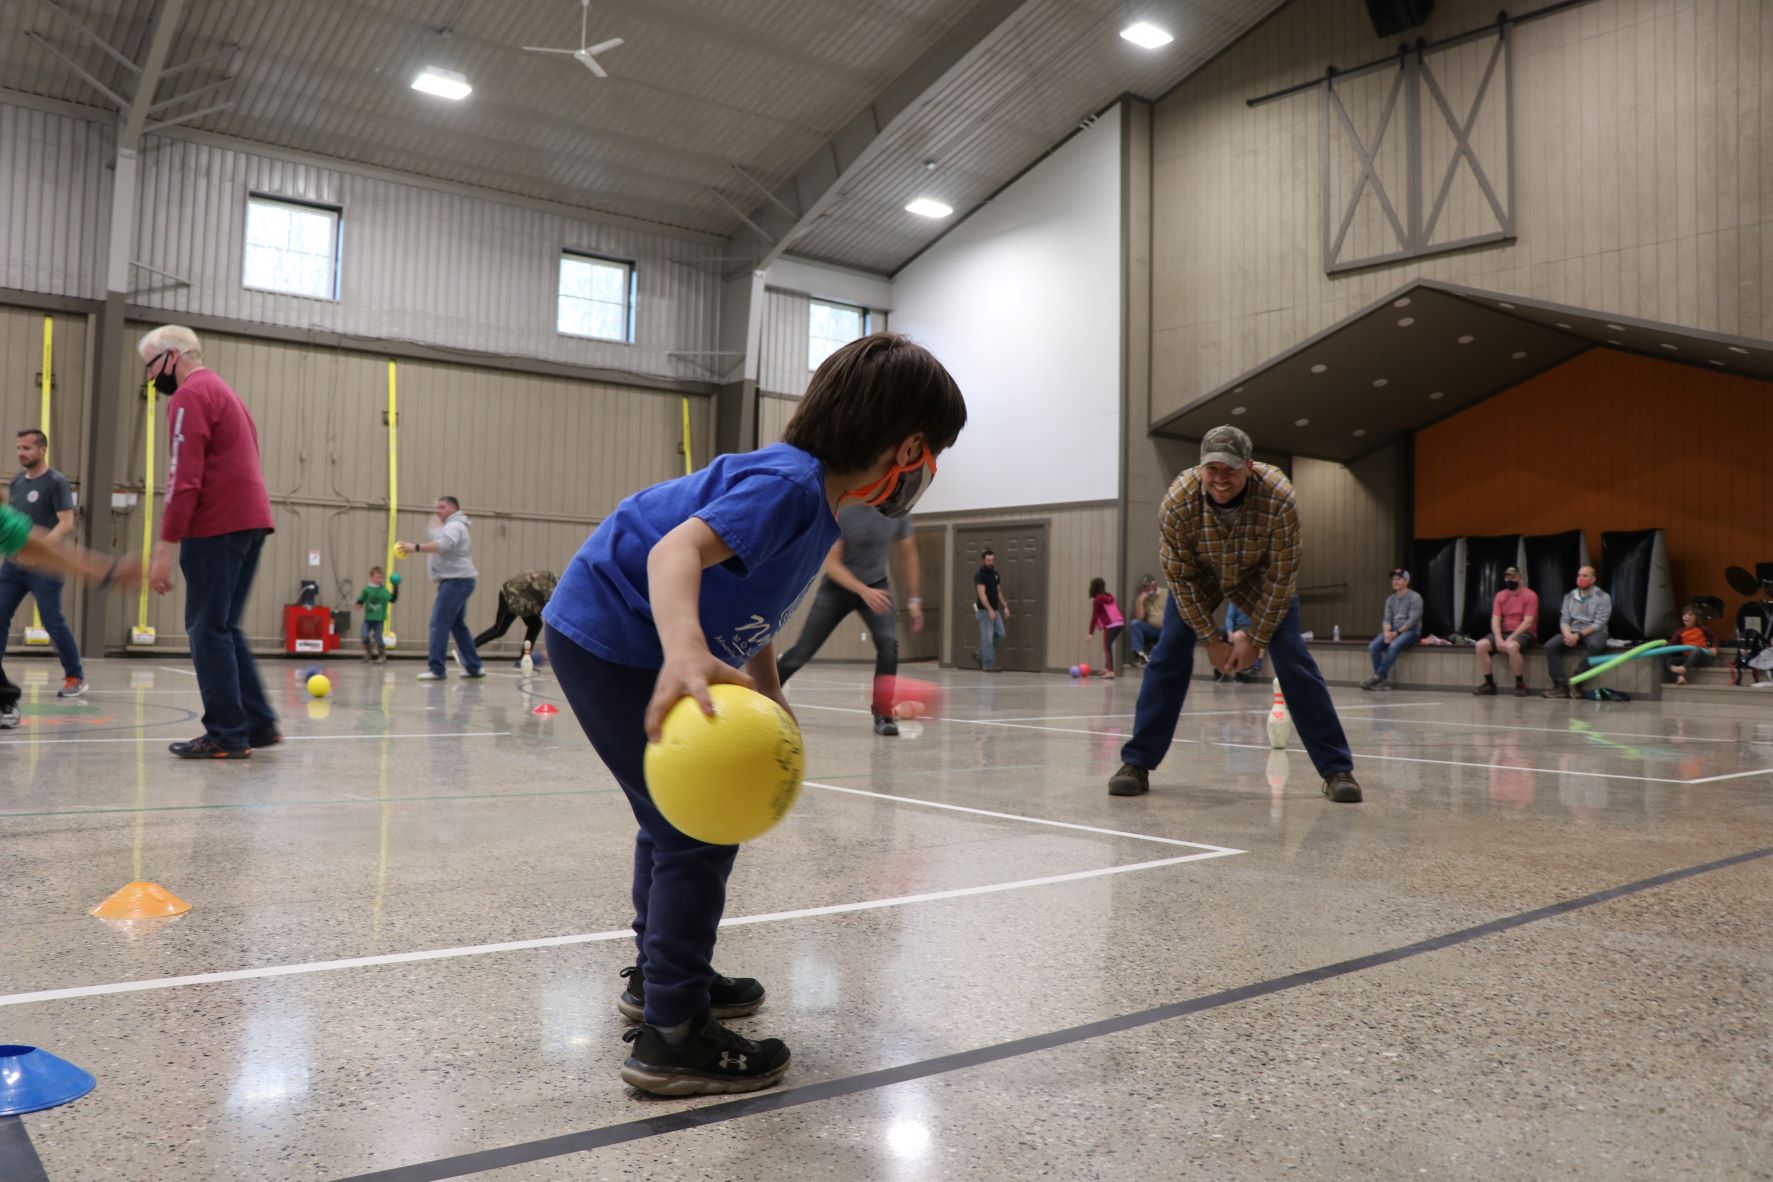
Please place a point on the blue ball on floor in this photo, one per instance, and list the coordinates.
(1076, 671)
(312, 671)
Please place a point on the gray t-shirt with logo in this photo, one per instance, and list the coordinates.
(866, 534)
(41, 498)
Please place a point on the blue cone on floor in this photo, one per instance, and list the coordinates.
(32, 1079)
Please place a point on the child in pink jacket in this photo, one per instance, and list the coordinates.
(1105, 614)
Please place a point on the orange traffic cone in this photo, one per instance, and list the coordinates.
(142, 900)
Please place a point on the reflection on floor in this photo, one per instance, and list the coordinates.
(407, 924)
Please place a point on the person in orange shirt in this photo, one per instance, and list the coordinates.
(1705, 646)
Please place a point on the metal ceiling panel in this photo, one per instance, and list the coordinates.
(1426, 352)
(698, 86)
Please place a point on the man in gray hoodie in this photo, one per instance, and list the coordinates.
(451, 567)
(1401, 627)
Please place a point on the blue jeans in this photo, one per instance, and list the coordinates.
(1385, 656)
(449, 617)
(1165, 689)
(1237, 621)
(990, 632)
(1143, 635)
(16, 582)
(679, 890)
(218, 577)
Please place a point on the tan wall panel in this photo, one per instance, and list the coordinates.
(772, 416)
(536, 461)
(1348, 519)
(21, 361)
(1642, 180)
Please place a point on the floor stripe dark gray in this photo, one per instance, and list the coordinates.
(18, 1157)
(783, 1098)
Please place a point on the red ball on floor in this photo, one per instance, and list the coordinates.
(912, 698)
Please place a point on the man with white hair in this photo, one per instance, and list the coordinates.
(216, 514)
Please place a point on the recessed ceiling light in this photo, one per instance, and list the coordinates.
(1403, 303)
(1617, 327)
(1146, 35)
(443, 83)
(1437, 396)
(1616, 344)
(1359, 431)
(1671, 348)
(1717, 363)
(1521, 355)
(1381, 383)
(1467, 339)
(1738, 349)
(1238, 410)
(1565, 327)
(929, 207)
(1406, 322)
(1319, 367)
(1239, 390)
(1301, 422)
(1500, 304)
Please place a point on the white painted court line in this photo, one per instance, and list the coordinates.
(959, 808)
(1556, 730)
(286, 738)
(1505, 767)
(181, 672)
(358, 962)
(355, 962)
(1729, 776)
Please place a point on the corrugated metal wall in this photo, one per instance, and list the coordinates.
(781, 354)
(536, 462)
(417, 264)
(21, 361)
(54, 191)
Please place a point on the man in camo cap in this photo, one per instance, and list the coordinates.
(1229, 530)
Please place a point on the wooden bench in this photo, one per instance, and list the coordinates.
(1454, 667)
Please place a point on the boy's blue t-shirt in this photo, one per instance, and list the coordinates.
(768, 505)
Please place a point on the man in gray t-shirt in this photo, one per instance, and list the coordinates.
(44, 495)
(1401, 627)
(856, 581)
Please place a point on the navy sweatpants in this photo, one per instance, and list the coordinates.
(679, 882)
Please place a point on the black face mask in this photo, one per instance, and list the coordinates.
(166, 382)
(1512, 584)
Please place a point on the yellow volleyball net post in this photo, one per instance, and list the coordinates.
(688, 467)
(36, 634)
(143, 634)
(388, 638)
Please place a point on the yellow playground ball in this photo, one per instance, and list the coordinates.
(726, 779)
(319, 686)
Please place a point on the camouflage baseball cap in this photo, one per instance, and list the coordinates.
(1226, 445)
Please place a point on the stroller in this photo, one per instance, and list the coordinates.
(1754, 625)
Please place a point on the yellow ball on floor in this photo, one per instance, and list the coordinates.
(319, 686)
(726, 779)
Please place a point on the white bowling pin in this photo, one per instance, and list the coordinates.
(1277, 782)
(1280, 723)
(528, 664)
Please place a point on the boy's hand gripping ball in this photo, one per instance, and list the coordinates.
(729, 778)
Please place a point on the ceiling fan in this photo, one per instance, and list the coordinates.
(585, 55)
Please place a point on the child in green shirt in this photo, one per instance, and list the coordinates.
(375, 598)
(21, 539)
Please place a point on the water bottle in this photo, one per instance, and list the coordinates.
(1335, 632)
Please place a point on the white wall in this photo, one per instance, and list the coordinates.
(1022, 303)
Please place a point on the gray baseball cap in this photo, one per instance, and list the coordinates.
(1226, 445)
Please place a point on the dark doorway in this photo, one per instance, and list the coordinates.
(1021, 549)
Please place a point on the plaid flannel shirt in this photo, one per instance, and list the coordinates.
(1254, 563)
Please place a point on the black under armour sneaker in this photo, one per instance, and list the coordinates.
(1342, 788)
(712, 1061)
(728, 997)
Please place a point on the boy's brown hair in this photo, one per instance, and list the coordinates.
(869, 395)
(375, 570)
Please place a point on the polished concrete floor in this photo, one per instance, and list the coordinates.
(1519, 958)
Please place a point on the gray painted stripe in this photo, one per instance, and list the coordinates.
(775, 1101)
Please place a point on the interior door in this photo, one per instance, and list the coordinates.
(1021, 549)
